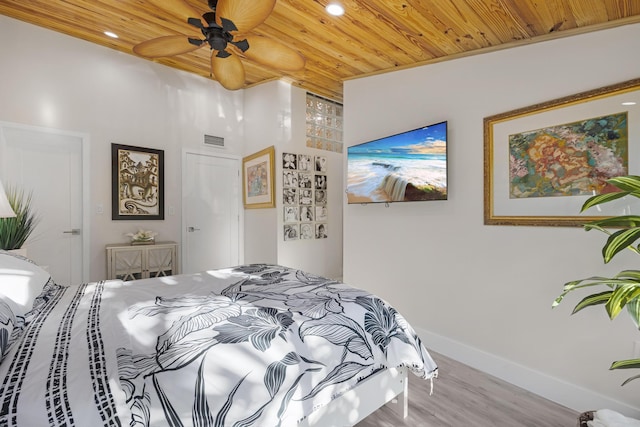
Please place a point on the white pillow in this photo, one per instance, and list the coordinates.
(7, 323)
(21, 281)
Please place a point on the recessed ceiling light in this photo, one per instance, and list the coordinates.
(629, 103)
(110, 34)
(335, 9)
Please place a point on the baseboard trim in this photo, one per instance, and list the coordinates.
(561, 392)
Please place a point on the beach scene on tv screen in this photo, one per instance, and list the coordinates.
(410, 166)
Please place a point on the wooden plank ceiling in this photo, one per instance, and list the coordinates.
(373, 36)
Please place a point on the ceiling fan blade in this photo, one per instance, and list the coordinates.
(228, 71)
(246, 14)
(178, 8)
(165, 46)
(273, 54)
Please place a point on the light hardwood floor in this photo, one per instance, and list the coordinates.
(466, 397)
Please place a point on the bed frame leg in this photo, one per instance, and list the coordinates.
(401, 401)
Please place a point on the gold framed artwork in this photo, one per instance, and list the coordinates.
(258, 179)
(543, 161)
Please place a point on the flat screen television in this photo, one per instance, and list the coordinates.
(405, 167)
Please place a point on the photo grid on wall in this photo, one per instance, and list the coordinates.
(304, 196)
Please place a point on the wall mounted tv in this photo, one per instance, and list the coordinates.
(406, 167)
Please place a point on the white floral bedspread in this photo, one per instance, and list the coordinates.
(255, 345)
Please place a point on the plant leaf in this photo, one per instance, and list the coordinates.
(633, 308)
(618, 241)
(601, 198)
(626, 364)
(628, 183)
(628, 380)
(620, 297)
(591, 300)
(624, 221)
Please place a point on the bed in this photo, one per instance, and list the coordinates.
(253, 345)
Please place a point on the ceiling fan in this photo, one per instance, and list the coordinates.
(220, 29)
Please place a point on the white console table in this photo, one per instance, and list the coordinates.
(131, 262)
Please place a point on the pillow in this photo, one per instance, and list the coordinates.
(21, 281)
(7, 323)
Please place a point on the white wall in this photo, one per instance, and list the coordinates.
(483, 294)
(56, 81)
(275, 115)
(52, 80)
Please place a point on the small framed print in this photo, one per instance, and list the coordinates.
(290, 196)
(305, 180)
(321, 182)
(290, 178)
(321, 213)
(304, 163)
(321, 197)
(306, 213)
(306, 196)
(321, 164)
(258, 178)
(291, 214)
(291, 232)
(289, 161)
(306, 231)
(321, 230)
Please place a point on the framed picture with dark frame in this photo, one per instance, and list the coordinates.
(542, 162)
(137, 183)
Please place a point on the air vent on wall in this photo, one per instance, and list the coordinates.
(216, 141)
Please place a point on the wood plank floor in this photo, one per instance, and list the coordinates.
(466, 397)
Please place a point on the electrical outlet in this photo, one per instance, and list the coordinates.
(100, 209)
(636, 350)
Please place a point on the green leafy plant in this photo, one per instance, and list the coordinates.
(15, 231)
(623, 290)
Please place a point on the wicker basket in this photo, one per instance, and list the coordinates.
(584, 417)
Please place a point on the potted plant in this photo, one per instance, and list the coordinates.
(15, 231)
(623, 290)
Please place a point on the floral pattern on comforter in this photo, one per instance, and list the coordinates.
(256, 345)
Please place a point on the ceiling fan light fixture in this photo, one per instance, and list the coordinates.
(335, 9)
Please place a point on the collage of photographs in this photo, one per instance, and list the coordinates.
(304, 196)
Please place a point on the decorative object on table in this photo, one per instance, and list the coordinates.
(623, 290)
(16, 229)
(137, 189)
(536, 156)
(258, 179)
(142, 237)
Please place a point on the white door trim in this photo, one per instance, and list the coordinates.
(86, 187)
(183, 237)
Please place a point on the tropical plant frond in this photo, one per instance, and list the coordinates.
(624, 288)
(628, 183)
(625, 364)
(626, 221)
(591, 300)
(633, 308)
(15, 231)
(628, 380)
(601, 198)
(620, 297)
(618, 241)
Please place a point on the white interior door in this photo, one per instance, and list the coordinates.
(50, 165)
(211, 201)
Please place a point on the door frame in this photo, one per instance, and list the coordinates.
(209, 152)
(86, 187)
